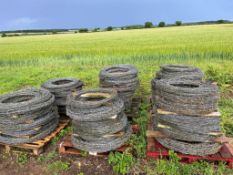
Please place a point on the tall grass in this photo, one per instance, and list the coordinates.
(31, 60)
(179, 42)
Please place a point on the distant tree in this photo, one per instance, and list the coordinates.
(54, 32)
(96, 30)
(148, 24)
(178, 23)
(162, 24)
(134, 27)
(83, 30)
(122, 28)
(221, 21)
(75, 31)
(109, 28)
(4, 35)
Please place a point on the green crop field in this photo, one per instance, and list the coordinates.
(31, 60)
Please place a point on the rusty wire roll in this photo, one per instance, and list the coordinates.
(123, 78)
(27, 115)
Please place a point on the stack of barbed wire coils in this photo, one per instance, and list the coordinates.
(186, 113)
(60, 88)
(99, 122)
(27, 115)
(178, 71)
(123, 78)
(170, 71)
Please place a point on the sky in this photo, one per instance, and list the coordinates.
(50, 14)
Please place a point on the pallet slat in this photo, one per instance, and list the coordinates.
(213, 114)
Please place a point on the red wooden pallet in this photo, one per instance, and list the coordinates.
(157, 151)
(66, 146)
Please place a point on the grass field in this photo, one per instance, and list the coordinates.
(31, 60)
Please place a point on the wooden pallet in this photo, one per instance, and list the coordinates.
(37, 147)
(66, 146)
(157, 151)
(133, 112)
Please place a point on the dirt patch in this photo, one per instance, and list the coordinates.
(88, 165)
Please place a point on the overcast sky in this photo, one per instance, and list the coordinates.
(37, 14)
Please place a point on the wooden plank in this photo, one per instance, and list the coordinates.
(7, 148)
(38, 151)
(163, 112)
(155, 134)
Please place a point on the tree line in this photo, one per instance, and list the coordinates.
(147, 24)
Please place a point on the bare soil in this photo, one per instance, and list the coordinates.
(88, 165)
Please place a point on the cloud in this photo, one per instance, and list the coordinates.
(22, 23)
